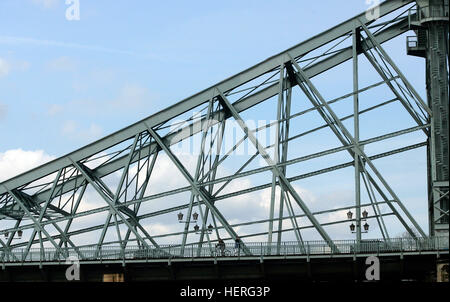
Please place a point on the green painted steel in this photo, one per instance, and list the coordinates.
(46, 202)
(398, 246)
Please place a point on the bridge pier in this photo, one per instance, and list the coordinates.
(442, 274)
(355, 269)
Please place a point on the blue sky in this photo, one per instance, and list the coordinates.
(64, 84)
(158, 52)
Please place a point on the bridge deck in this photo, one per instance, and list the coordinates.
(206, 252)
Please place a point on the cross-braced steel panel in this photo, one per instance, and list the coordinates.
(229, 162)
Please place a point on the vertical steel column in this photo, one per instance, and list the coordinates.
(199, 167)
(195, 186)
(434, 18)
(355, 45)
(277, 171)
(277, 159)
(333, 120)
(35, 222)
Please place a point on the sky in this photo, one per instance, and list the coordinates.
(66, 83)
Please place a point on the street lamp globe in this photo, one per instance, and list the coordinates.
(364, 214)
(180, 216)
(349, 214)
(366, 226)
(195, 216)
(196, 228)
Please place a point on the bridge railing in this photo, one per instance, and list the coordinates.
(428, 13)
(91, 253)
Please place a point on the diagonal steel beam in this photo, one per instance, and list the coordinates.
(44, 208)
(229, 84)
(276, 170)
(199, 191)
(394, 66)
(42, 214)
(142, 192)
(35, 222)
(337, 122)
(113, 209)
(402, 100)
(7, 247)
(74, 210)
(199, 166)
(119, 187)
(277, 157)
(211, 175)
(341, 134)
(241, 105)
(185, 189)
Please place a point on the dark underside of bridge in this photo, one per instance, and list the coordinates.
(392, 268)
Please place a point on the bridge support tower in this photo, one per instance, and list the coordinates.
(431, 42)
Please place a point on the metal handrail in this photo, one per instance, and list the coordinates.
(426, 13)
(289, 248)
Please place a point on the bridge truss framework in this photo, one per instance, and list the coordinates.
(45, 203)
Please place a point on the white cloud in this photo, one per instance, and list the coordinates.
(7, 66)
(16, 161)
(4, 67)
(158, 228)
(236, 209)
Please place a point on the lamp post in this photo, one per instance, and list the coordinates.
(19, 235)
(364, 218)
(197, 229)
(194, 218)
(209, 229)
(365, 226)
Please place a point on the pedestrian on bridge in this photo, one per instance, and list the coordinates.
(221, 245)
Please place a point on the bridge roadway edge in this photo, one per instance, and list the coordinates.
(414, 267)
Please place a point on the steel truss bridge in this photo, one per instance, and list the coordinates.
(258, 250)
(123, 198)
